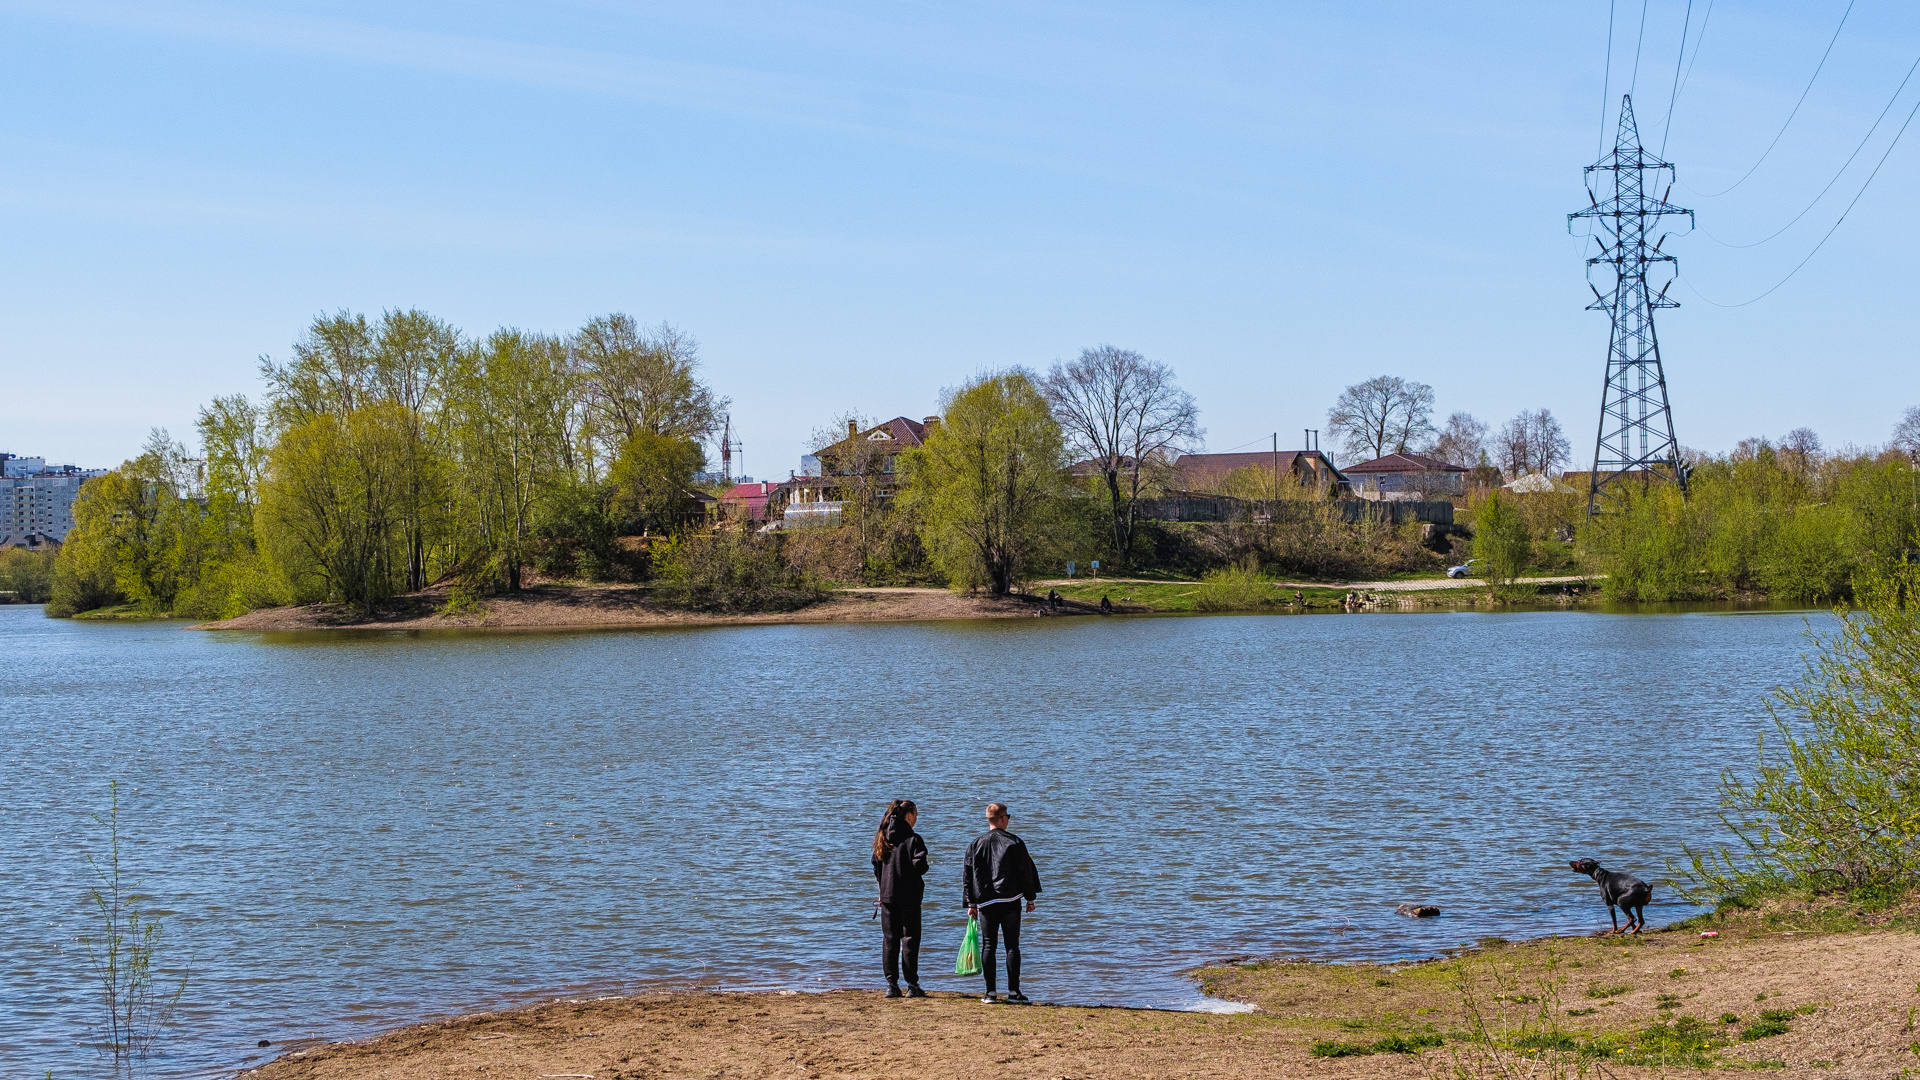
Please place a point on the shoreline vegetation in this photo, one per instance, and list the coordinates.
(1797, 985)
(391, 453)
(578, 605)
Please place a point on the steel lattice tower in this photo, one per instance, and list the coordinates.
(1636, 424)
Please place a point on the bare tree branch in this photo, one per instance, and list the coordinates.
(1123, 413)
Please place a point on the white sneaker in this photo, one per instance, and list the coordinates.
(989, 1000)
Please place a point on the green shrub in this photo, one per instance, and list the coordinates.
(28, 575)
(1239, 588)
(1833, 807)
(730, 572)
(1501, 540)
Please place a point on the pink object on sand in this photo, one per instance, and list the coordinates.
(1709, 933)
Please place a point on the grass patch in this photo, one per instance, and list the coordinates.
(1774, 1022)
(1600, 990)
(1392, 1044)
(1684, 1040)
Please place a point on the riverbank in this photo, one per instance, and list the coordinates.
(1772, 991)
(562, 607)
(558, 606)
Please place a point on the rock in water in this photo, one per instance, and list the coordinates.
(1417, 911)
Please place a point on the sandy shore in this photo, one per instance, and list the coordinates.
(555, 607)
(1847, 1001)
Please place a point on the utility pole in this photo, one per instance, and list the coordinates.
(1635, 441)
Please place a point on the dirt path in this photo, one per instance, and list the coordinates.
(1643, 1006)
(609, 606)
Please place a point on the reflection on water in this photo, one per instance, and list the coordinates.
(350, 833)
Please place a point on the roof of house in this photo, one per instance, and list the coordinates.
(1194, 467)
(903, 433)
(758, 490)
(1404, 463)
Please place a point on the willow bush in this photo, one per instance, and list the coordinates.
(1835, 802)
(1234, 588)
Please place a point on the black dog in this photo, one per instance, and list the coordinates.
(1629, 893)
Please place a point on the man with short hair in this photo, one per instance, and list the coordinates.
(998, 875)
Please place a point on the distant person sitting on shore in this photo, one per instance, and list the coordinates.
(1053, 599)
(999, 874)
(1106, 605)
(900, 865)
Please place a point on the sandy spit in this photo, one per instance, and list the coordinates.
(560, 607)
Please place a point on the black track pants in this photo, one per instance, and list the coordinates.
(1005, 919)
(900, 930)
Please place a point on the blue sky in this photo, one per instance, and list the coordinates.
(852, 206)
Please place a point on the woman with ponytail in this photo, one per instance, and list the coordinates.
(900, 865)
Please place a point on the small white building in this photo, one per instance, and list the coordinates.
(1406, 477)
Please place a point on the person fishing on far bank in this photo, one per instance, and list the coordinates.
(999, 875)
(900, 864)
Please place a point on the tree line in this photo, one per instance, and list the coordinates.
(391, 454)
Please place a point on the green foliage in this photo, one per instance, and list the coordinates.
(651, 478)
(729, 572)
(1501, 540)
(331, 502)
(390, 454)
(574, 532)
(989, 484)
(1839, 803)
(1238, 588)
(28, 575)
(1760, 520)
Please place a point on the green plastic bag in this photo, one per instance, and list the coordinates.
(968, 962)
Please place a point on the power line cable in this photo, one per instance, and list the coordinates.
(1637, 45)
(1674, 98)
(1697, 41)
(1796, 110)
(1836, 176)
(1606, 86)
(1836, 225)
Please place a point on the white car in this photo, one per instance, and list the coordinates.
(1465, 569)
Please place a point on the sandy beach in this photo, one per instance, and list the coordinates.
(1795, 1002)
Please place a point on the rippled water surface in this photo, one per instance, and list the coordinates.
(351, 832)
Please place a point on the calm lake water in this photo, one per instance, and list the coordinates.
(348, 833)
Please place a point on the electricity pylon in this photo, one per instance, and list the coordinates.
(1636, 440)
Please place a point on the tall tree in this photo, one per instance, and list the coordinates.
(329, 506)
(412, 355)
(1462, 441)
(1384, 415)
(1906, 434)
(1532, 442)
(988, 482)
(330, 373)
(511, 394)
(1124, 413)
(640, 381)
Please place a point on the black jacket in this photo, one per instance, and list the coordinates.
(903, 872)
(998, 868)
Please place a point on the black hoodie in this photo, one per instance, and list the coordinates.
(902, 873)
